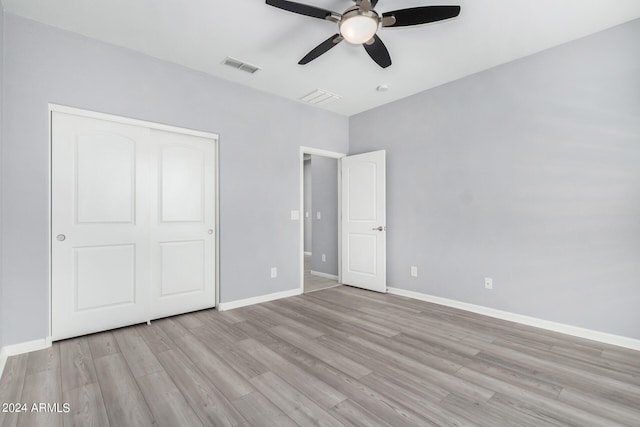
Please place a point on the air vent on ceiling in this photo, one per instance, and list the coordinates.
(320, 97)
(240, 65)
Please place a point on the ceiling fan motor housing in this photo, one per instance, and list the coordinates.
(357, 26)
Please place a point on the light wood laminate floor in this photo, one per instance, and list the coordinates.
(340, 356)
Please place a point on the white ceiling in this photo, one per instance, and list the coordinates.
(199, 34)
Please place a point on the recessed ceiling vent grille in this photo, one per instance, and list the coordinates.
(240, 65)
(320, 97)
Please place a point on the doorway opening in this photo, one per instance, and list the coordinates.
(320, 225)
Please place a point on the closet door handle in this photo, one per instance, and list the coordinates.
(61, 237)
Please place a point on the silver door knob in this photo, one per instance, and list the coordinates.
(60, 237)
(210, 231)
(380, 228)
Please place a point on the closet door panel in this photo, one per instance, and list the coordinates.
(99, 219)
(182, 229)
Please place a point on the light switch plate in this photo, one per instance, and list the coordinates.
(318, 215)
(295, 215)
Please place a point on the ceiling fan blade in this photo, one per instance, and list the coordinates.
(419, 15)
(374, 3)
(321, 48)
(302, 9)
(378, 52)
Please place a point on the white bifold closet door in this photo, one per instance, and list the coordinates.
(133, 220)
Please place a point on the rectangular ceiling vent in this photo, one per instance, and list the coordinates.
(240, 65)
(320, 97)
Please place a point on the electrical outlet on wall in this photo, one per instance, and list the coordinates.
(488, 283)
(274, 272)
(324, 257)
(318, 215)
(414, 271)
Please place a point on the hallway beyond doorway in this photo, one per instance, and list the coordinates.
(313, 282)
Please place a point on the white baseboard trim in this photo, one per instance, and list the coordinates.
(308, 253)
(21, 348)
(3, 360)
(325, 275)
(631, 343)
(223, 306)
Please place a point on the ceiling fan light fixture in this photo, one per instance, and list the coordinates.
(357, 27)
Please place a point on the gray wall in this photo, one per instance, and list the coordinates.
(260, 135)
(308, 221)
(1, 132)
(528, 173)
(324, 182)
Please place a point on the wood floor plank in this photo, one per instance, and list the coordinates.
(528, 415)
(167, 404)
(139, 357)
(559, 370)
(46, 359)
(430, 410)
(445, 379)
(259, 411)
(102, 344)
(392, 412)
(576, 362)
(242, 363)
(351, 413)
(346, 315)
(486, 414)
(322, 324)
(552, 407)
(303, 329)
(222, 329)
(312, 387)
(11, 386)
(592, 402)
(293, 403)
(227, 380)
(42, 394)
(76, 364)
(258, 332)
(123, 400)
(86, 407)
(212, 338)
(172, 328)
(232, 316)
(189, 320)
(335, 359)
(155, 337)
(211, 406)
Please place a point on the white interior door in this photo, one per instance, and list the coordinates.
(133, 221)
(100, 241)
(364, 221)
(183, 225)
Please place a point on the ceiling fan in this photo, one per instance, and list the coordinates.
(359, 24)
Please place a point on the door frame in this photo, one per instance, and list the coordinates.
(324, 153)
(135, 122)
